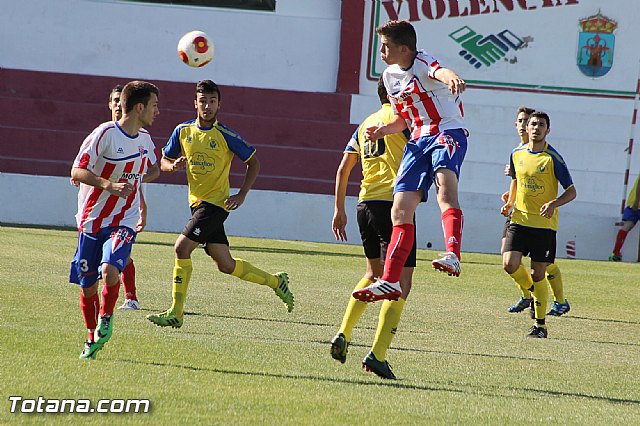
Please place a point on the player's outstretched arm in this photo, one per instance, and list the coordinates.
(396, 125)
(250, 176)
(121, 189)
(511, 198)
(339, 222)
(451, 79)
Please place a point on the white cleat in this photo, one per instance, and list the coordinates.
(449, 263)
(130, 305)
(379, 290)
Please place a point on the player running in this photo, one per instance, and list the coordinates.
(112, 163)
(205, 148)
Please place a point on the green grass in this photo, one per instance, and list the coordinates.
(241, 358)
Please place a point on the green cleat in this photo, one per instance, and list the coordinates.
(283, 292)
(167, 318)
(339, 348)
(615, 258)
(104, 331)
(90, 350)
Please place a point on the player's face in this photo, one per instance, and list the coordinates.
(150, 112)
(390, 52)
(207, 105)
(114, 106)
(537, 129)
(521, 124)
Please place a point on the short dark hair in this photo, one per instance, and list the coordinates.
(399, 32)
(137, 92)
(382, 92)
(116, 89)
(540, 114)
(207, 86)
(526, 110)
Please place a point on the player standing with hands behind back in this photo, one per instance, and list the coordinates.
(112, 163)
(426, 98)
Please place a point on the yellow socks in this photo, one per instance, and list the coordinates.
(555, 281)
(540, 296)
(523, 280)
(354, 311)
(181, 276)
(387, 325)
(247, 272)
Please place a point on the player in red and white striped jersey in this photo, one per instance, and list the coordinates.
(426, 99)
(112, 163)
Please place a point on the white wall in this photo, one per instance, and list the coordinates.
(293, 48)
(49, 200)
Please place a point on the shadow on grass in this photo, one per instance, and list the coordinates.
(615, 321)
(394, 384)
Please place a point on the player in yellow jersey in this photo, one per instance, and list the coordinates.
(560, 304)
(536, 170)
(630, 217)
(205, 148)
(380, 161)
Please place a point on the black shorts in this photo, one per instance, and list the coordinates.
(538, 243)
(506, 227)
(374, 221)
(207, 224)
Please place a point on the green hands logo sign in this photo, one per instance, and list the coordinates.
(480, 50)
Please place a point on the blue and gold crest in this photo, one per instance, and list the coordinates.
(596, 44)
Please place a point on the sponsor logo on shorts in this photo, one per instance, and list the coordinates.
(119, 238)
(450, 144)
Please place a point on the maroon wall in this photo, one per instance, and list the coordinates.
(299, 136)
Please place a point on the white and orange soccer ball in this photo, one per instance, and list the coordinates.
(195, 49)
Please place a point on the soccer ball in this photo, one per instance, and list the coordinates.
(195, 49)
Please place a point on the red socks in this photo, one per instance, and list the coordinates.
(109, 298)
(398, 251)
(452, 223)
(622, 235)
(129, 281)
(90, 307)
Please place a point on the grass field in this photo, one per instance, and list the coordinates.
(241, 358)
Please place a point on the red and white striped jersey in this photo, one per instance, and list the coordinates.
(426, 104)
(112, 154)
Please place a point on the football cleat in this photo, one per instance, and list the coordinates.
(90, 350)
(104, 331)
(380, 368)
(379, 290)
(283, 292)
(339, 348)
(130, 305)
(167, 318)
(615, 258)
(448, 263)
(537, 332)
(559, 309)
(520, 306)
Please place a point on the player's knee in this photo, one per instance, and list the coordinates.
(111, 275)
